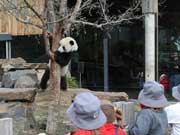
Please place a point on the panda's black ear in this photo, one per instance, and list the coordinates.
(71, 42)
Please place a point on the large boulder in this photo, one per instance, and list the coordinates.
(26, 82)
(9, 78)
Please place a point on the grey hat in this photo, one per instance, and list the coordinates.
(152, 95)
(85, 112)
(176, 92)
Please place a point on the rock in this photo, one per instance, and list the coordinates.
(18, 94)
(112, 96)
(35, 65)
(13, 61)
(9, 78)
(26, 82)
(67, 96)
(7, 67)
(8, 64)
(3, 107)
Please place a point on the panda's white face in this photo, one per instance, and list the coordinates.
(67, 45)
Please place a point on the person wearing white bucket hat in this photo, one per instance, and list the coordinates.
(173, 112)
(152, 119)
(86, 114)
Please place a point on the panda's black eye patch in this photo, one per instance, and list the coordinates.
(71, 42)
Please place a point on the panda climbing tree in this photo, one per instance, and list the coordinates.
(62, 56)
(58, 16)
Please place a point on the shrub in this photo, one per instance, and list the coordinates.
(72, 82)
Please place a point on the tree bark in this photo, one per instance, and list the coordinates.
(54, 100)
(54, 90)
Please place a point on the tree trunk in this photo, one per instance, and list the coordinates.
(54, 91)
(54, 94)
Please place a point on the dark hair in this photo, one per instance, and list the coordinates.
(109, 112)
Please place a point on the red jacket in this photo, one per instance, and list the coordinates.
(110, 129)
(107, 129)
(102, 131)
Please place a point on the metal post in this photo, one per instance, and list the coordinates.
(157, 46)
(80, 81)
(150, 9)
(9, 42)
(7, 52)
(149, 47)
(106, 80)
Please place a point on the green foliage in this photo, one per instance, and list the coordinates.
(72, 82)
(137, 107)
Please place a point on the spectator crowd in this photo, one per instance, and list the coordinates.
(91, 116)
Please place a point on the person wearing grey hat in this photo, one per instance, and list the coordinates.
(86, 114)
(173, 112)
(152, 119)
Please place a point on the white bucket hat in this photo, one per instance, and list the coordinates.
(85, 112)
(152, 95)
(176, 92)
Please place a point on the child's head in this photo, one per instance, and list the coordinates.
(85, 112)
(162, 77)
(152, 95)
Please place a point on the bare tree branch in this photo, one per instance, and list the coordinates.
(34, 11)
(106, 19)
(76, 9)
(63, 8)
(27, 22)
(51, 14)
(103, 6)
(15, 11)
(103, 25)
(73, 14)
(45, 29)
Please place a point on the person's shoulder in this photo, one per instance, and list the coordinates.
(147, 113)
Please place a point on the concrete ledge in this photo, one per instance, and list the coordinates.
(6, 126)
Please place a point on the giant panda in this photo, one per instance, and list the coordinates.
(63, 55)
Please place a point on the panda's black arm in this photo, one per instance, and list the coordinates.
(62, 58)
